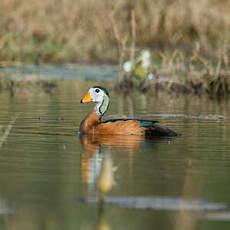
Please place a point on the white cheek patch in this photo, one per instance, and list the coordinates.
(96, 97)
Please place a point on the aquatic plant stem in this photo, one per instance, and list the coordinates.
(133, 45)
(8, 129)
(101, 200)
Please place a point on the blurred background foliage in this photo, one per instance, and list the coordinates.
(187, 41)
(89, 30)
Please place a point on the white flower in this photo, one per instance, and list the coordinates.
(145, 58)
(150, 76)
(127, 66)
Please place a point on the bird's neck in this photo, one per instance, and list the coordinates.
(94, 117)
(90, 121)
(101, 107)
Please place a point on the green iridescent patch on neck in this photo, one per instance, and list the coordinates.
(105, 104)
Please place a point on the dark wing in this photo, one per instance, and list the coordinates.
(160, 131)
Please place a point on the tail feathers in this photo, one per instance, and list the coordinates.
(159, 131)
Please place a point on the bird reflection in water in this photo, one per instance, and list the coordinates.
(92, 156)
(97, 165)
(98, 170)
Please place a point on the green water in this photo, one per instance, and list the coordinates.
(45, 169)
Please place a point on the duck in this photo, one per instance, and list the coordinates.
(93, 123)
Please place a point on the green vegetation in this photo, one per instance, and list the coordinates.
(178, 72)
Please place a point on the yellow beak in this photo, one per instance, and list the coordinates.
(87, 98)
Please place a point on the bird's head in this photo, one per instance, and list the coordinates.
(100, 96)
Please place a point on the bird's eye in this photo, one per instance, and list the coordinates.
(97, 90)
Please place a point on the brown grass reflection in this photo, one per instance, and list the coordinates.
(105, 180)
(192, 185)
(101, 222)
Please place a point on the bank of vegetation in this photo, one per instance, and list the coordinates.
(30, 84)
(186, 38)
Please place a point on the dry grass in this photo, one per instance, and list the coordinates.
(188, 38)
(87, 30)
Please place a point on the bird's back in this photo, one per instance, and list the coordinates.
(132, 126)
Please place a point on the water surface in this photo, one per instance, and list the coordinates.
(45, 168)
